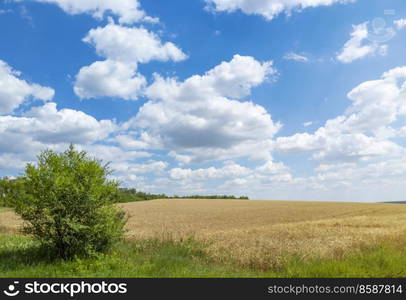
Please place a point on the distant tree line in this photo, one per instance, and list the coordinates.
(212, 197)
(132, 195)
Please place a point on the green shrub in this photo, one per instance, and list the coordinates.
(67, 201)
(3, 191)
(8, 190)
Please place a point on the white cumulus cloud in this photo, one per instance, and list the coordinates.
(124, 48)
(269, 9)
(128, 11)
(229, 170)
(400, 23)
(203, 116)
(22, 137)
(359, 46)
(14, 90)
(46, 124)
(109, 78)
(131, 44)
(363, 131)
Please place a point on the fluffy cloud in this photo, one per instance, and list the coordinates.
(24, 134)
(116, 155)
(202, 117)
(272, 168)
(377, 103)
(362, 133)
(400, 24)
(124, 48)
(268, 8)
(48, 125)
(134, 45)
(359, 46)
(13, 161)
(230, 178)
(145, 141)
(381, 180)
(229, 170)
(14, 90)
(356, 147)
(155, 167)
(21, 138)
(109, 78)
(402, 132)
(128, 11)
(339, 147)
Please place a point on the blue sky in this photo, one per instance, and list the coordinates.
(295, 100)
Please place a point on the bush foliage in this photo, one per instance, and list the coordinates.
(66, 201)
(8, 189)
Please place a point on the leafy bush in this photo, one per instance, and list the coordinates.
(67, 201)
(3, 191)
(8, 190)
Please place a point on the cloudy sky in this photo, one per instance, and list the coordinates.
(274, 99)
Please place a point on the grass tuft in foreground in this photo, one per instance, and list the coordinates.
(22, 257)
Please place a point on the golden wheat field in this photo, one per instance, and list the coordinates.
(261, 233)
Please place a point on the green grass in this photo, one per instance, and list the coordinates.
(382, 261)
(2, 209)
(22, 257)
